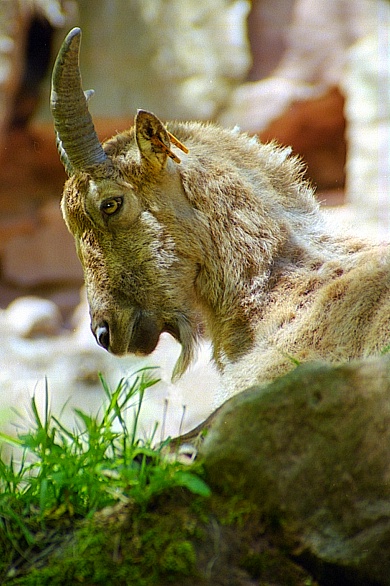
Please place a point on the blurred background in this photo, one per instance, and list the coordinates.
(308, 73)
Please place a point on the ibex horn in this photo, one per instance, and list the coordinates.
(77, 141)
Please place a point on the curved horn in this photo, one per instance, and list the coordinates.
(77, 141)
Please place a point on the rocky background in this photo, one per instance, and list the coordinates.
(308, 74)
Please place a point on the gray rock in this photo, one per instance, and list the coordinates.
(313, 449)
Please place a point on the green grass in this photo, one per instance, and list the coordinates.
(64, 475)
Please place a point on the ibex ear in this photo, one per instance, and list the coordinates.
(152, 140)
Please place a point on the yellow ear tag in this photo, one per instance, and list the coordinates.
(177, 143)
(166, 150)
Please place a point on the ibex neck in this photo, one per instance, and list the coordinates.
(237, 293)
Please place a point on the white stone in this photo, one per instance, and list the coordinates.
(29, 317)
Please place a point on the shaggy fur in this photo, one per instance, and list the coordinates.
(229, 244)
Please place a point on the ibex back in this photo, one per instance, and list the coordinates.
(221, 237)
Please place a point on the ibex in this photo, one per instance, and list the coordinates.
(193, 229)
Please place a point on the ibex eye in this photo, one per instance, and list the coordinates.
(111, 206)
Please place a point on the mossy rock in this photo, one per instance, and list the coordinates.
(313, 450)
(299, 472)
(178, 539)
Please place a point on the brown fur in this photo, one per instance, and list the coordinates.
(230, 241)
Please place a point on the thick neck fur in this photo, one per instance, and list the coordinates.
(260, 218)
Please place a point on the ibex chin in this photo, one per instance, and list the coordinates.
(221, 238)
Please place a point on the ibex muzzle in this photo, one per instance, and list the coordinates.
(142, 339)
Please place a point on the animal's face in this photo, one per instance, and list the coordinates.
(133, 237)
(131, 221)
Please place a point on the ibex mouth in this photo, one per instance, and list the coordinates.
(145, 336)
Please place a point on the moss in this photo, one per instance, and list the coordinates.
(126, 545)
(179, 538)
(178, 558)
(235, 510)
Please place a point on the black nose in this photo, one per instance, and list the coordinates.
(102, 335)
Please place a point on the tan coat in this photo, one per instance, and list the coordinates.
(228, 243)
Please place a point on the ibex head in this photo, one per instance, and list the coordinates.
(119, 202)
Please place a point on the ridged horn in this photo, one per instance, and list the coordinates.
(77, 141)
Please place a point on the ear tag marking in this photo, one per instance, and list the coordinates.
(155, 140)
(177, 143)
